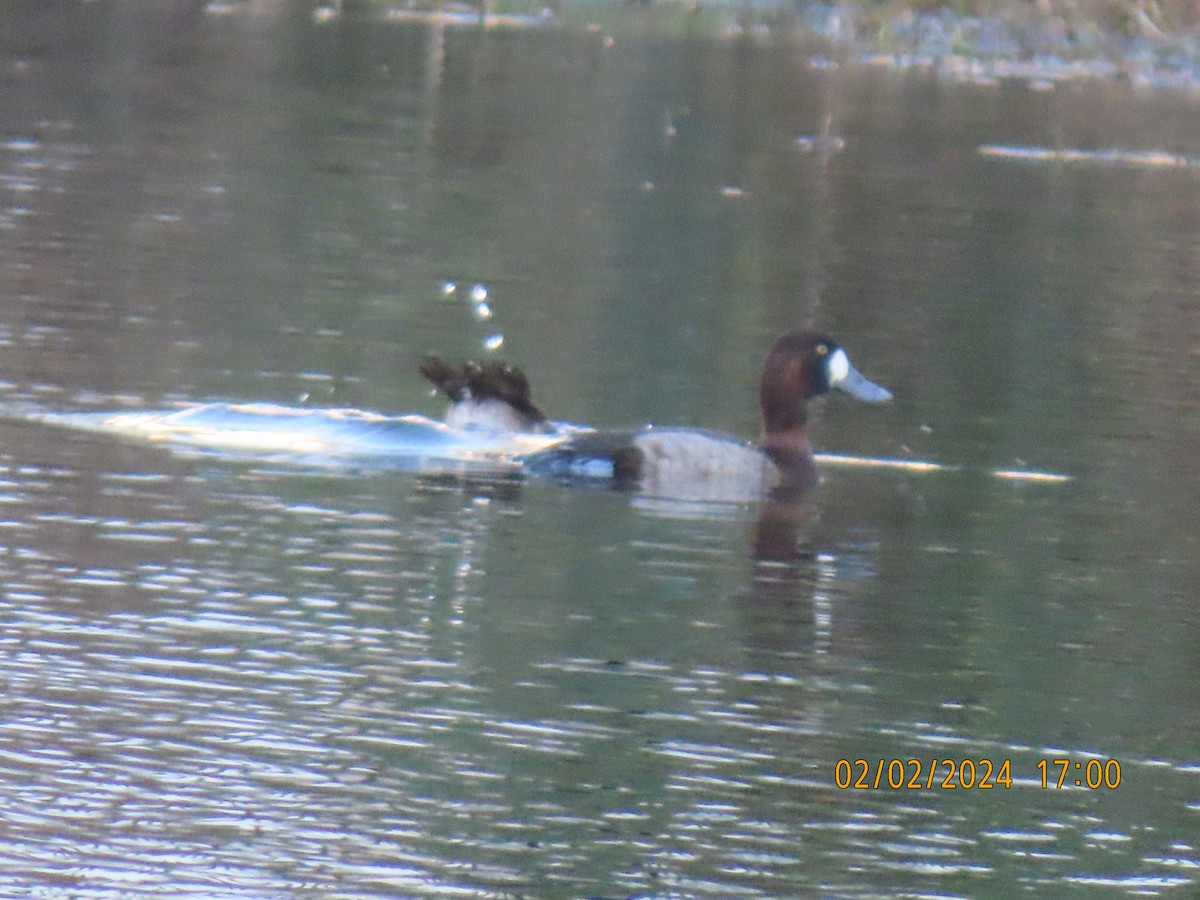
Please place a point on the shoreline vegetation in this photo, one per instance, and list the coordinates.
(1147, 43)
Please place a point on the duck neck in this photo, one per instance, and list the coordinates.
(790, 450)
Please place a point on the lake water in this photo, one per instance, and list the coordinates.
(224, 676)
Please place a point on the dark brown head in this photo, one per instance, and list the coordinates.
(484, 383)
(802, 365)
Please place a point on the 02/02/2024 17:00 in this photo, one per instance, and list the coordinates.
(981, 774)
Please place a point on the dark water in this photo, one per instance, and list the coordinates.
(229, 678)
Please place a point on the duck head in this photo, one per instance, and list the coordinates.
(489, 395)
(802, 365)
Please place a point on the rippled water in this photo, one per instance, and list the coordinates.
(223, 676)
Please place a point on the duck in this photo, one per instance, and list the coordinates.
(485, 396)
(678, 462)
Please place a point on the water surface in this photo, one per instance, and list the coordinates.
(229, 676)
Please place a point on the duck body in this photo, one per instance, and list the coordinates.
(671, 461)
(683, 463)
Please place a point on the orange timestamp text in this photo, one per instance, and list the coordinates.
(922, 774)
(969, 774)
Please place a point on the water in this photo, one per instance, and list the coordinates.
(234, 677)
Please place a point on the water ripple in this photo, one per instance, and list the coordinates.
(262, 694)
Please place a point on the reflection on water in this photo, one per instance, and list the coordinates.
(241, 678)
(223, 678)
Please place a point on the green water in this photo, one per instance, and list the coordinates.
(231, 678)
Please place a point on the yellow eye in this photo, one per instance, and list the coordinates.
(822, 349)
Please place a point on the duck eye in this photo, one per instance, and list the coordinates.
(822, 349)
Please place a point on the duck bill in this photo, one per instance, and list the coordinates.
(854, 383)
